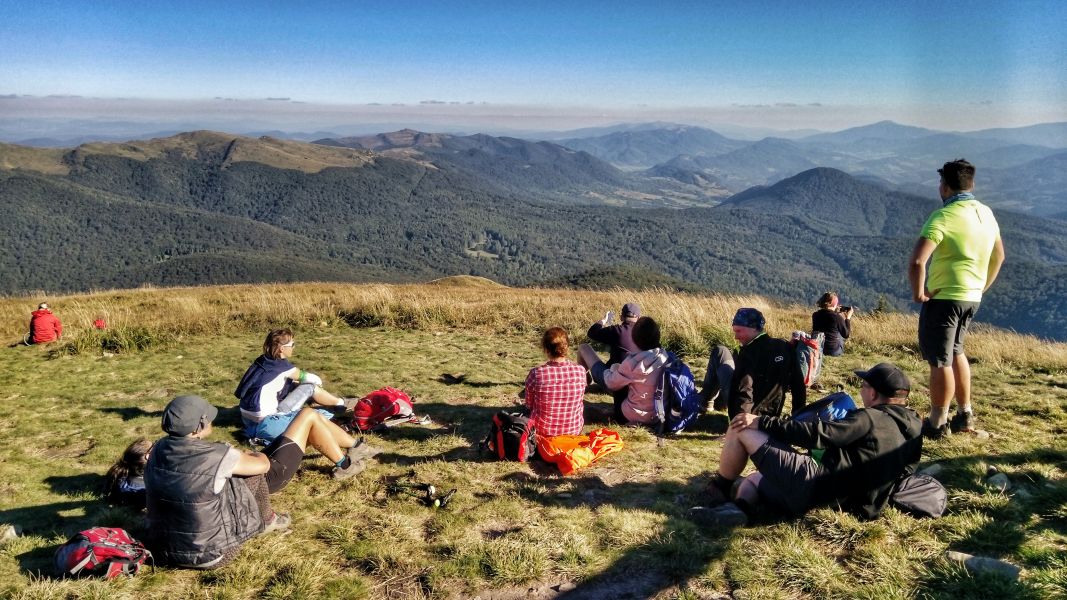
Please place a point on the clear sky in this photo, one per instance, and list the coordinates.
(947, 65)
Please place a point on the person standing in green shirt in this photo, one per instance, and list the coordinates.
(961, 241)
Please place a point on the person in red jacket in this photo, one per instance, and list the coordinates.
(44, 326)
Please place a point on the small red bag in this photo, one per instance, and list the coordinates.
(382, 408)
(106, 551)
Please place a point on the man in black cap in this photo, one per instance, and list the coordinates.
(205, 499)
(619, 338)
(854, 461)
(620, 342)
(756, 379)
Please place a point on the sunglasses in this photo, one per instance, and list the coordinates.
(289, 344)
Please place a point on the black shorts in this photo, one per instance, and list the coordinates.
(789, 477)
(285, 456)
(942, 329)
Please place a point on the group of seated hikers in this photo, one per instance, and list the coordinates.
(205, 499)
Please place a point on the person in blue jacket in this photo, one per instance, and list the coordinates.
(273, 390)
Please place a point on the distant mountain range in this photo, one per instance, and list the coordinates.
(206, 207)
(1019, 168)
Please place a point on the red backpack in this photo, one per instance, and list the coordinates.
(106, 551)
(382, 408)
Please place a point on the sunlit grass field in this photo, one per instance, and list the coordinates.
(615, 530)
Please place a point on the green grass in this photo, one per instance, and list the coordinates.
(617, 529)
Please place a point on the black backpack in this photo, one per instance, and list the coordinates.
(920, 495)
(511, 437)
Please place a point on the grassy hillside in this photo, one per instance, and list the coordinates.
(617, 529)
(208, 208)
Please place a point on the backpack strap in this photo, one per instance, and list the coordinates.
(81, 565)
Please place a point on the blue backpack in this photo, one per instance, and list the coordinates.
(676, 401)
(834, 407)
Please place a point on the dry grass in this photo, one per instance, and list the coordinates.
(689, 321)
(617, 529)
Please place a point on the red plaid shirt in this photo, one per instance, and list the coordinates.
(554, 394)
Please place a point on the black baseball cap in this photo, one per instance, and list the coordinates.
(186, 414)
(887, 380)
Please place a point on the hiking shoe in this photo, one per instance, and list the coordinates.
(714, 494)
(728, 515)
(355, 467)
(363, 451)
(280, 522)
(962, 422)
(934, 433)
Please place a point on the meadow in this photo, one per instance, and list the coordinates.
(461, 347)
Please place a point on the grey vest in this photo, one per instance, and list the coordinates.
(189, 524)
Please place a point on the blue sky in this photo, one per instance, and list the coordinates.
(939, 63)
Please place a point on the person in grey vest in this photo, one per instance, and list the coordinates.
(204, 499)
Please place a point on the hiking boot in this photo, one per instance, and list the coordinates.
(280, 522)
(934, 433)
(962, 422)
(728, 515)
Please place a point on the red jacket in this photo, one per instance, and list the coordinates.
(44, 327)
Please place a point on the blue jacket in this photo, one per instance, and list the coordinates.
(262, 372)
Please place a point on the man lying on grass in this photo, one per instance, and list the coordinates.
(854, 461)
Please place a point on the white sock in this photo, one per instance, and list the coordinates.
(938, 415)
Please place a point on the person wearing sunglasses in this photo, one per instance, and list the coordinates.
(273, 390)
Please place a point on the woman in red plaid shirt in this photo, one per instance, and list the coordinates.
(555, 391)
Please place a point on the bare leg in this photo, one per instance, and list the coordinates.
(324, 398)
(587, 357)
(748, 491)
(736, 450)
(310, 427)
(961, 372)
(942, 388)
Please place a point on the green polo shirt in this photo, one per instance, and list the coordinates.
(964, 231)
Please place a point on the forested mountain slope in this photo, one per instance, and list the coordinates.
(196, 214)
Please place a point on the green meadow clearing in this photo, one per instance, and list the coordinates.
(615, 530)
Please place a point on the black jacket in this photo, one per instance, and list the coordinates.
(618, 337)
(763, 370)
(834, 326)
(865, 453)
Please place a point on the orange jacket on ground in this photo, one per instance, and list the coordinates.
(44, 326)
(572, 452)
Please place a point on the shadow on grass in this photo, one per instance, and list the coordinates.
(69, 485)
(682, 552)
(129, 413)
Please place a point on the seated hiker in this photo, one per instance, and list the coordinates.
(639, 372)
(834, 322)
(124, 482)
(854, 461)
(556, 389)
(618, 338)
(273, 390)
(44, 326)
(204, 499)
(756, 378)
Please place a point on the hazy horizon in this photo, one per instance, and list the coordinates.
(490, 67)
